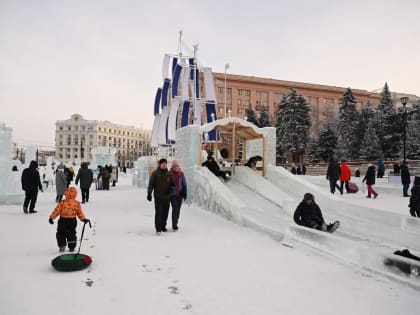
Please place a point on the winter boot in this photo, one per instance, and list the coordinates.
(33, 211)
(62, 249)
(25, 209)
(332, 227)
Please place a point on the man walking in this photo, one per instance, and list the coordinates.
(85, 176)
(405, 179)
(333, 174)
(31, 182)
(160, 183)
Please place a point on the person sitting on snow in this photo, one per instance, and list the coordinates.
(309, 214)
(213, 167)
(67, 209)
(414, 204)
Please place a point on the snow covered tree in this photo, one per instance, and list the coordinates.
(370, 148)
(264, 119)
(251, 116)
(348, 124)
(293, 123)
(390, 126)
(324, 147)
(330, 114)
(368, 114)
(412, 135)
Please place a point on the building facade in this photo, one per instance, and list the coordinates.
(263, 93)
(75, 138)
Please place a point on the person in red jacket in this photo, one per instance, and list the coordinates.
(345, 175)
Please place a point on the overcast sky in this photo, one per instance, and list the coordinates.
(103, 59)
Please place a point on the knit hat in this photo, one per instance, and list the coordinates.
(175, 163)
(308, 196)
(163, 160)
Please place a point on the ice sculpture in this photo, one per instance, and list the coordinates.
(30, 155)
(103, 156)
(10, 188)
(142, 168)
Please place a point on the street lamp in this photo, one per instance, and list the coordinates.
(404, 101)
(227, 66)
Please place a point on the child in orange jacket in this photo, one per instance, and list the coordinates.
(67, 209)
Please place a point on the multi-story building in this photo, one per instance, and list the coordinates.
(75, 138)
(262, 93)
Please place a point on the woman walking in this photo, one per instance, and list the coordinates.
(60, 182)
(370, 180)
(178, 192)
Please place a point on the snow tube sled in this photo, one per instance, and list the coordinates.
(409, 263)
(71, 262)
(353, 188)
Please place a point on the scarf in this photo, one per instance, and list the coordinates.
(178, 181)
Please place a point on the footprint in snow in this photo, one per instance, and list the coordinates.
(89, 282)
(173, 290)
(187, 307)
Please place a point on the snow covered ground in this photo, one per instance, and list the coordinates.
(210, 266)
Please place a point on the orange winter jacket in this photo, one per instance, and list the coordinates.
(345, 172)
(70, 207)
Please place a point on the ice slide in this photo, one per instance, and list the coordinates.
(252, 201)
(365, 224)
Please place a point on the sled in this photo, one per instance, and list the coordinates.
(353, 188)
(405, 262)
(72, 262)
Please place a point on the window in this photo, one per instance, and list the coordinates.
(69, 128)
(247, 92)
(61, 128)
(221, 89)
(229, 101)
(229, 91)
(239, 101)
(247, 102)
(240, 91)
(328, 101)
(258, 94)
(221, 110)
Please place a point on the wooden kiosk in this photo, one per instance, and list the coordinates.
(238, 129)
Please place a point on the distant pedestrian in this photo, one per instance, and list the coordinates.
(303, 169)
(105, 176)
(333, 174)
(414, 204)
(114, 175)
(405, 179)
(299, 170)
(370, 180)
(345, 176)
(160, 184)
(178, 192)
(397, 168)
(85, 176)
(357, 173)
(60, 183)
(31, 182)
(69, 172)
(293, 170)
(381, 169)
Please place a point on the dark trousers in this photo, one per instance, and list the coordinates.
(66, 232)
(58, 198)
(405, 189)
(85, 194)
(161, 214)
(105, 183)
(176, 203)
(30, 199)
(346, 183)
(333, 186)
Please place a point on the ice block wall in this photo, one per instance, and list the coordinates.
(30, 155)
(103, 156)
(10, 188)
(187, 152)
(255, 147)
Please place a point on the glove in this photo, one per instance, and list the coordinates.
(149, 197)
(86, 221)
(51, 221)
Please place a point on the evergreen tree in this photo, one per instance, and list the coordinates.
(251, 116)
(370, 148)
(348, 125)
(368, 114)
(412, 133)
(390, 126)
(324, 147)
(293, 123)
(264, 119)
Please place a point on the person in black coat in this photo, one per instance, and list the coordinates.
(85, 176)
(405, 179)
(333, 174)
(213, 167)
(414, 204)
(370, 180)
(309, 214)
(31, 182)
